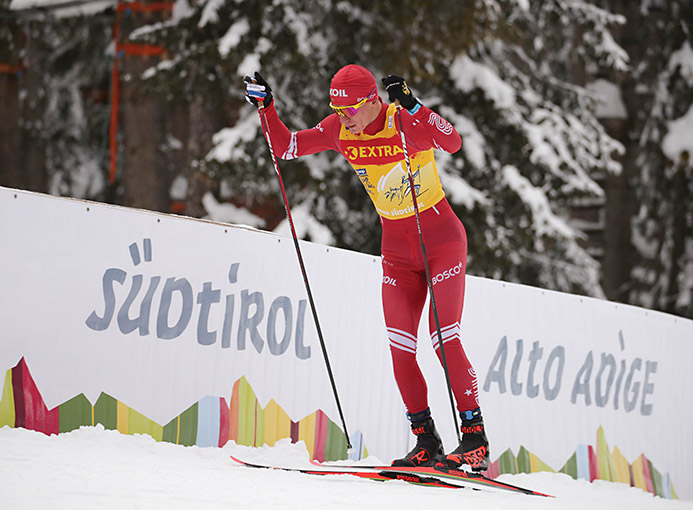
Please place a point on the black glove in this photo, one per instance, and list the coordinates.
(257, 90)
(397, 90)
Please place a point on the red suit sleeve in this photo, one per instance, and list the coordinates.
(425, 129)
(289, 144)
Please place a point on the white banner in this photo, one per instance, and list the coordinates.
(160, 311)
(553, 368)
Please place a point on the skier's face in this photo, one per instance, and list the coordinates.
(363, 116)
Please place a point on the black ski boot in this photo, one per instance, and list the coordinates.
(429, 447)
(473, 451)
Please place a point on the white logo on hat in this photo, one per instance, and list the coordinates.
(338, 93)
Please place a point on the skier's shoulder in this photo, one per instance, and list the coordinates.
(328, 129)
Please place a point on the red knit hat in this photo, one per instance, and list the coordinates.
(352, 84)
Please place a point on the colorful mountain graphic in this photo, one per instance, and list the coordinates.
(213, 422)
(210, 422)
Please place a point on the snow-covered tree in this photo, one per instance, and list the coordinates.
(498, 69)
(530, 140)
(55, 119)
(664, 224)
(76, 118)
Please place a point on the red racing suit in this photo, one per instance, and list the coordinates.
(377, 157)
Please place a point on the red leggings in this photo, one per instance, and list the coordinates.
(404, 295)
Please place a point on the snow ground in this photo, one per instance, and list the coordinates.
(96, 468)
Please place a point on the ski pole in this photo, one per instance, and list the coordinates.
(266, 132)
(429, 281)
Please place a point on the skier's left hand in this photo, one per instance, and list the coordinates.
(398, 91)
(257, 90)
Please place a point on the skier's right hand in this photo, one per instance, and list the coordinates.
(257, 91)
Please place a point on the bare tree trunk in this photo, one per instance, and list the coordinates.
(177, 150)
(146, 177)
(10, 140)
(621, 206)
(619, 209)
(202, 120)
(35, 173)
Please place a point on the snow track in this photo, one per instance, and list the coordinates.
(96, 468)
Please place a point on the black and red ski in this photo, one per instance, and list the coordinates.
(367, 473)
(429, 476)
(463, 479)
